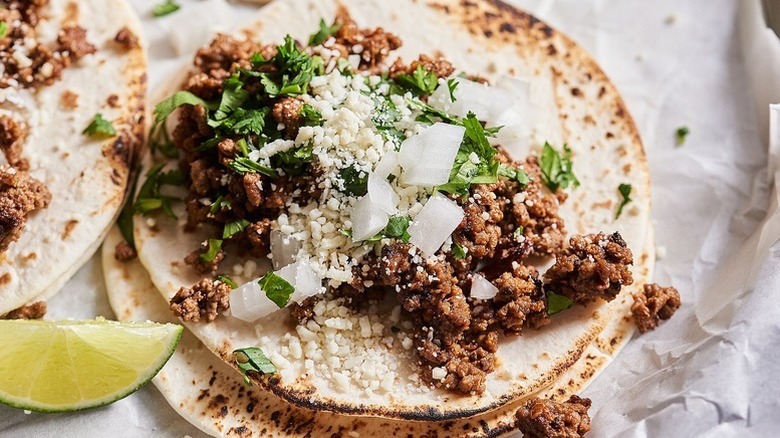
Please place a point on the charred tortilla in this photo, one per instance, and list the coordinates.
(82, 179)
(211, 395)
(575, 105)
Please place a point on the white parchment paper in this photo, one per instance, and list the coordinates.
(710, 65)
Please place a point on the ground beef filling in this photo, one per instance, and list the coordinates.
(36, 310)
(126, 38)
(28, 62)
(203, 301)
(124, 252)
(542, 418)
(653, 304)
(12, 136)
(592, 267)
(20, 195)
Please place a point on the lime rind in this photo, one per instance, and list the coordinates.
(144, 376)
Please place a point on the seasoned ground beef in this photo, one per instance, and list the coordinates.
(123, 252)
(440, 67)
(20, 194)
(204, 301)
(541, 418)
(201, 265)
(36, 310)
(520, 301)
(653, 304)
(12, 136)
(593, 266)
(479, 232)
(373, 45)
(126, 38)
(287, 111)
(73, 40)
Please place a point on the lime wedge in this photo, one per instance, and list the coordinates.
(62, 366)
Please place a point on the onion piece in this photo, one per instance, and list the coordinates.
(517, 120)
(382, 194)
(284, 248)
(427, 157)
(249, 301)
(481, 288)
(367, 219)
(483, 100)
(436, 221)
(387, 164)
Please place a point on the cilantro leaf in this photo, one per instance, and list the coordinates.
(518, 233)
(218, 205)
(452, 85)
(165, 8)
(163, 109)
(458, 252)
(234, 228)
(324, 33)
(293, 160)
(243, 121)
(625, 192)
(3, 29)
(294, 70)
(244, 165)
(213, 249)
(311, 117)
(466, 170)
(557, 303)
(385, 117)
(681, 134)
(225, 279)
(397, 227)
(252, 359)
(355, 181)
(514, 173)
(420, 82)
(276, 288)
(556, 170)
(150, 197)
(99, 127)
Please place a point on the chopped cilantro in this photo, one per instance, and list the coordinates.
(294, 70)
(158, 135)
(244, 165)
(125, 219)
(225, 279)
(452, 84)
(150, 197)
(324, 33)
(293, 161)
(218, 205)
(514, 173)
(429, 113)
(99, 127)
(556, 170)
(385, 117)
(466, 172)
(252, 359)
(421, 82)
(276, 288)
(3, 29)
(681, 134)
(234, 228)
(165, 8)
(344, 67)
(355, 181)
(625, 192)
(397, 228)
(213, 249)
(557, 303)
(458, 252)
(311, 117)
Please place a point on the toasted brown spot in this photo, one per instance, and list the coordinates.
(69, 228)
(69, 100)
(113, 101)
(5, 278)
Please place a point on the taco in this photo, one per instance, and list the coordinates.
(212, 396)
(72, 96)
(422, 241)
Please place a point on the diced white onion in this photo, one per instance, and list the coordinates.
(367, 219)
(382, 194)
(284, 248)
(436, 221)
(483, 100)
(249, 302)
(481, 288)
(427, 157)
(387, 164)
